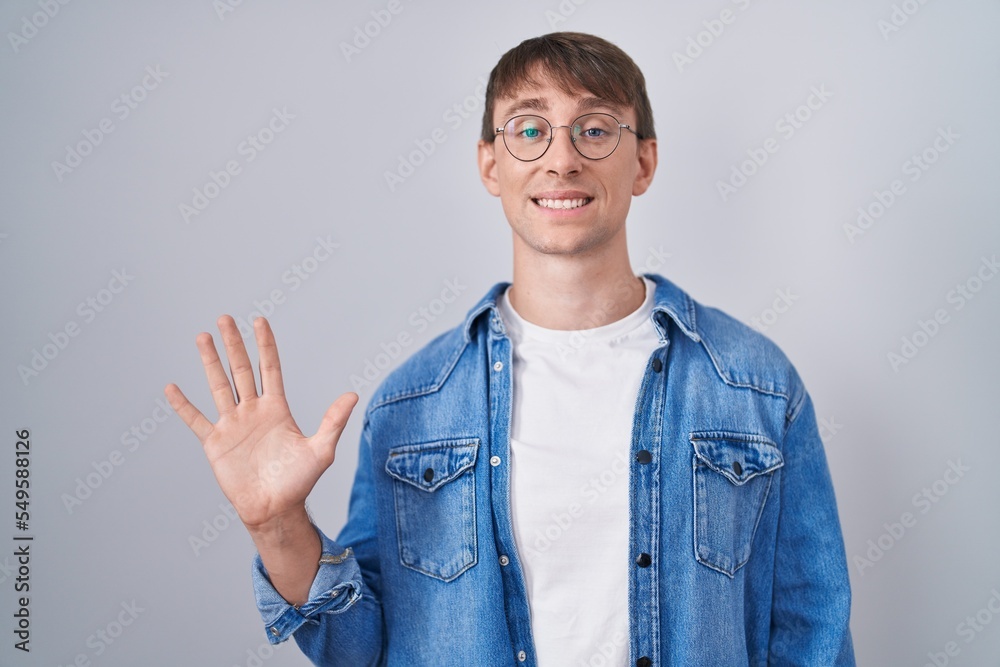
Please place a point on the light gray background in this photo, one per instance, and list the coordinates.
(889, 433)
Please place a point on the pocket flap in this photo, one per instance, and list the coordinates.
(428, 465)
(737, 456)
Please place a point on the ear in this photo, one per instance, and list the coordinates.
(646, 158)
(488, 167)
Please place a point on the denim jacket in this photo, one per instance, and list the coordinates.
(736, 552)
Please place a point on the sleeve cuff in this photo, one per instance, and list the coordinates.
(336, 588)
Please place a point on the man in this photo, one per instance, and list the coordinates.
(591, 469)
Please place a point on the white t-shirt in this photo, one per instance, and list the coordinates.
(574, 396)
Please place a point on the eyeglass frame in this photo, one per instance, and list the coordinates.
(572, 139)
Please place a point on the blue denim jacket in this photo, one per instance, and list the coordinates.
(736, 551)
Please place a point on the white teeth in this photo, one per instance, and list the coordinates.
(561, 203)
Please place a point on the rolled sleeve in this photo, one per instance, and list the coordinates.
(335, 589)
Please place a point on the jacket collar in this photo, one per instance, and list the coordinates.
(669, 300)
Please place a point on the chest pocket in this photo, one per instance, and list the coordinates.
(435, 497)
(732, 477)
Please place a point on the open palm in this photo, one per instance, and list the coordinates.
(264, 464)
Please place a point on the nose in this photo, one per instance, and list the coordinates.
(562, 156)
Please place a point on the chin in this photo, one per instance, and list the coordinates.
(564, 244)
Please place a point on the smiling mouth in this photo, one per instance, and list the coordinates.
(563, 204)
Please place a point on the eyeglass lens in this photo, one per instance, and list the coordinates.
(595, 135)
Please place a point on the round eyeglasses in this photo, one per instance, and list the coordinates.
(595, 135)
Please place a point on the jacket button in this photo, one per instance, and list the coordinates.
(504, 560)
(522, 656)
(643, 662)
(643, 456)
(429, 475)
(498, 366)
(643, 560)
(494, 461)
(657, 365)
(737, 468)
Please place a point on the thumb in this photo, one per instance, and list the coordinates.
(333, 423)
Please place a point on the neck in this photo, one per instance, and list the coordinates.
(572, 292)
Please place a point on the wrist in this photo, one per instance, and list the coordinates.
(290, 527)
(290, 548)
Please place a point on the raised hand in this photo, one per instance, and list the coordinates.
(264, 464)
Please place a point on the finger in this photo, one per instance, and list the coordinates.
(270, 365)
(218, 381)
(333, 424)
(239, 361)
(186, 411)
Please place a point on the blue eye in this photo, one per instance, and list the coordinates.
(531, 133)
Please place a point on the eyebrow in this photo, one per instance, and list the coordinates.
(585, 105)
